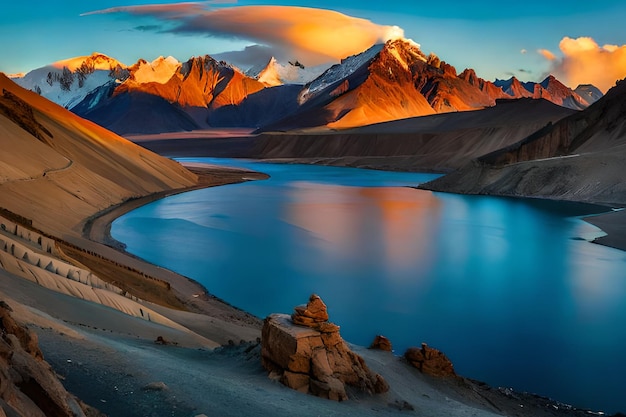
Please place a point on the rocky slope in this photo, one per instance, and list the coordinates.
(578, 158)
(28, 385)
(397, 80)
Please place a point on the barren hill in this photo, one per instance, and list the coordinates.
(580, 158)
(441, 142)
(58, 168)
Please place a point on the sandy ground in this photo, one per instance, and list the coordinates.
(111, 360)
(614, 225)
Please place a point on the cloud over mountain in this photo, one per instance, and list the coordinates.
(586, 62)
(314, 36)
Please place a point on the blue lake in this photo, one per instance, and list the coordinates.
(509, 289)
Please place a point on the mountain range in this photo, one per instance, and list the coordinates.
(59, 170)
(389, 81)
(579, 158)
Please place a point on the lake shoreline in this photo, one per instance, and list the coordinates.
(100, 229)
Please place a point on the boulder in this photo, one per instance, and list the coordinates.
(307, 354)
(381, 343)
(430, 361)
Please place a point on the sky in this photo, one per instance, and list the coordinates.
(577, 41)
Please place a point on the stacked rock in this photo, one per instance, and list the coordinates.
(306, 353)
(430, 361)
(312, 314)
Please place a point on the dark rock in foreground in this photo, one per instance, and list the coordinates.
(28, 385)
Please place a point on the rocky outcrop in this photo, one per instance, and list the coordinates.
(21, 113)
(381, 343)
(311, 357)
(430, 361)
(28, 386)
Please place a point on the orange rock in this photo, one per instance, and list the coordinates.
(314, 360)
(381, 343)
(430, 361)
(310, 315)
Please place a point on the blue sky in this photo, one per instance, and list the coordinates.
(498, 39)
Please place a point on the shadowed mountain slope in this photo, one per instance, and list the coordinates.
(441, 142)
(579, 158)
(396, 81)
(180, 98)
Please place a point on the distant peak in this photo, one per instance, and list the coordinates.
(405, 52)
(170, 60)
(270, 75)
(96, 60)
(403, 43)
(549, 80)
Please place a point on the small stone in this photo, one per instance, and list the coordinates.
(332, 389)
(381, 343)
(160, 340)
(156, 386)
(297, 381)
(327, 328)
(430, 361)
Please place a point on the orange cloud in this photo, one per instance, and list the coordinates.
(585, 62)
(313, 36)
(547, 54)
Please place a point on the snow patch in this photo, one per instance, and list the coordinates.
(287, 72)
(338, 72)
(270, 74)
(96, 60)
(160, 71)
(67, 94)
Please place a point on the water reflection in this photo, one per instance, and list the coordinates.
(389, 224)
(503, 286)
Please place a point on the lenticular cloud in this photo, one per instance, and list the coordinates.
(314, 36)
(586, 62)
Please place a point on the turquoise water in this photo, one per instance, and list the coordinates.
(507, 288)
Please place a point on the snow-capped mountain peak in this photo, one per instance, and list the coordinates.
(270, 75)
(68, 82)
(589, 92)
(158, 71)
(405, 49)
(288, 72)
(339, 72)
(95, 61)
